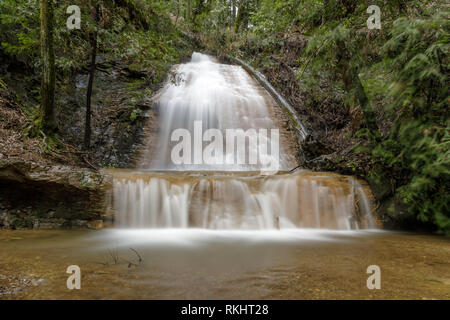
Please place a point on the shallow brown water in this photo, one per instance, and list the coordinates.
(199, 264)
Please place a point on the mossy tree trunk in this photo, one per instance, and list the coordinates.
(188, 12)
(47, 122)
(366, 107)
(242, 11)
(176, 8)
(233, 11)
(352, 83)
(325, 11)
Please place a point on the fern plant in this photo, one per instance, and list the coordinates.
(419, 144)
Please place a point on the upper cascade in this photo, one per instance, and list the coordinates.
(215, 116)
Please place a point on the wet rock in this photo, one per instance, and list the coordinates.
(63, 176)
(78, 224)
(96, 225)
(11, 285)
(395, 215)
(36, 283)
(50, 225)
(51, 213)
(21, 224)
(117, 124)
(49, 197)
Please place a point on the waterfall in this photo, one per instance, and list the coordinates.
(195, 181)
(300, 200)
(206, 98)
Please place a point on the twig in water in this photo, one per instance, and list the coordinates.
(114, 254)
(137, 253)
(130, 263)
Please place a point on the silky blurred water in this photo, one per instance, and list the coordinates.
(211, 264)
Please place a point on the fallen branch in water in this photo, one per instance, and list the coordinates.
(114, 254)
(130, 263)
(137, 253)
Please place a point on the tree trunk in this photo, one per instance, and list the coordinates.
(240, 15)
(178, 12)
(353, 82)
(366, 107)
(325, 11)
(47, 122)
(188, 13)
(233, 11)
(87, 129)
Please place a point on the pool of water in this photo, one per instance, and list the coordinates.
(210, 264)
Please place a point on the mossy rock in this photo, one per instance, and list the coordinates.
(19, 223)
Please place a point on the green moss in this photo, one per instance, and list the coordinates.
(3, 84)
(19, 223)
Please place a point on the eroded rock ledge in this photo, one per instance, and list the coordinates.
(40, 196)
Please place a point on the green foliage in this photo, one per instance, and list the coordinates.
(19, 32)
(275, 16)
(3, 84)
(418, 148)
(403, 70)
(419, 51)
(134, 114)
(19, 27)
(321, 56)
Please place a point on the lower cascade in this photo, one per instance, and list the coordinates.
(228, 201)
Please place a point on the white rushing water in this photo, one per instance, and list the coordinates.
(301, 200)
(206, 95)
(226, 97)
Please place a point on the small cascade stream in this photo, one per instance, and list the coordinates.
(221, 189)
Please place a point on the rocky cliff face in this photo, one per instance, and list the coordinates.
(41, 187)
(51, 196)
(47, 187)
